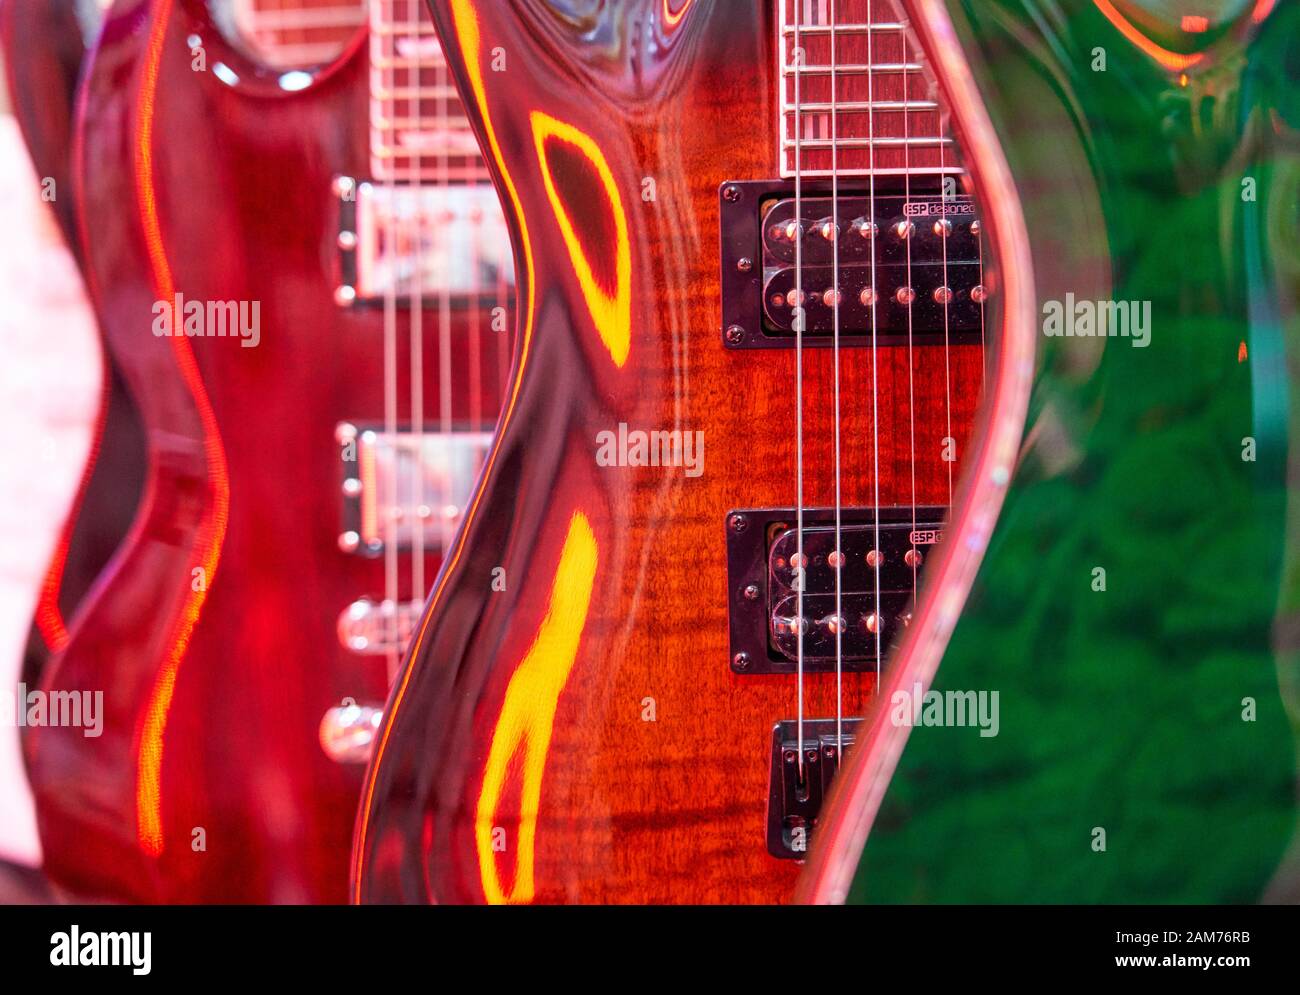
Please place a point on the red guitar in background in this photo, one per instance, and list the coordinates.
(304, 278)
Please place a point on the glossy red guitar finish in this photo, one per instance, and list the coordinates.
(568, 728)
(44, 48)
(214, 637)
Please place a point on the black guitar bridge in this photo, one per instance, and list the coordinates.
(795, 792)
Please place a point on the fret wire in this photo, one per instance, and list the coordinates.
(856, 143)
(399, 92)
(396, 151)
(847, 141)
(290, 20)
(862, 106)
(914, 170)
(844, 29)
(854, 69)
(408, 123)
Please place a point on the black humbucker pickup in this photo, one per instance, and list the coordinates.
(797, 791)
(763, 597)
(909, 266)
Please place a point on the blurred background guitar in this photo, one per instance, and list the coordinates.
(312, 429)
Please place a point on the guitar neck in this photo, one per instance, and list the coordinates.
(856, 96)
(418, 129)
(288, 33)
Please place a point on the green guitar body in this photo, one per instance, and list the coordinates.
(1136, 616)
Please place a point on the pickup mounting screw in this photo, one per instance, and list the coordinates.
(740, 662)
(751, 592)
(735, 334)
(744, 264)
(738, 523)
(731, 193)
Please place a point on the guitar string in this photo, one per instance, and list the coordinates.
(503, 353)
(415, 74)
(472, 189)
(797, 312)
(477, 289)
(444, 315)
(911, 395)
(979, 243)
(949, 458)
(385, 41)
(875, 380)
(835, 345)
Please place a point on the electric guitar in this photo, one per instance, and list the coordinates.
(754, 294)
(1130, 611)
(301, 274)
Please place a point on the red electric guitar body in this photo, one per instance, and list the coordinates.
(216, 636)
(44, 47)
(602, 703)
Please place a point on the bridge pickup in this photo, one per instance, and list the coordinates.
(448, 241)
(762, 555)
(794, 800)
(913, 261)
(396, 484)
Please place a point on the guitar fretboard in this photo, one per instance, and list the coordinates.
(887, 117)
(289, 33)
(418, 130)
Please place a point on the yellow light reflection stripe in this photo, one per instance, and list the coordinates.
(611, 312)
(528, 715)
(465, 23)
